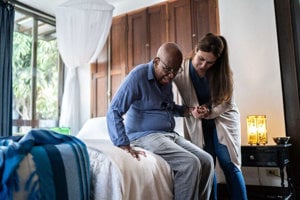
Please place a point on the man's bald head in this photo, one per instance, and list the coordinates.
(170, 53)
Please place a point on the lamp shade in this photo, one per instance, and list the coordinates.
(257, 129)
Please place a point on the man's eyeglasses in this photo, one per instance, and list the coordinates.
(169, 70)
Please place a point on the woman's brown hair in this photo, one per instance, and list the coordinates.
(220, 74)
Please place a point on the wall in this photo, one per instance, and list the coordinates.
(250, 29)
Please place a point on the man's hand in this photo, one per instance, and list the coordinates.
(188, 111)
(135, 153)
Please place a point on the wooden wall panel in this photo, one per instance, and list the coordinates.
(99, 84)
(137, 38)
(118, 41)
(205, 18)
(180, 25)
(157, 25)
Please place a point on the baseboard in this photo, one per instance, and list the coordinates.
(256, 192)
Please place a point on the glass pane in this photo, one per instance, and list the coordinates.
(22, 70)
(47, 76)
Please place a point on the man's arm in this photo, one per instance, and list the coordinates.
(115, 121)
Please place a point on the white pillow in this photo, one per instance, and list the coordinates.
(94, 128)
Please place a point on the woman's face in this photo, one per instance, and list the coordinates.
(202, 61)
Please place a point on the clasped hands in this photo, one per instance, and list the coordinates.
(199, 112)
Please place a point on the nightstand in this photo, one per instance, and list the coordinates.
(269, 156)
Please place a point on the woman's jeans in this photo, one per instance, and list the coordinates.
(234, 178)
(193, 168)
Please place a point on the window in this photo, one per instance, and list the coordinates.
(37, 72)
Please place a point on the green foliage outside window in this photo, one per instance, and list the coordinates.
(46, 73)
(22, 75)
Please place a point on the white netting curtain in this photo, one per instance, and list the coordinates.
(82, 27)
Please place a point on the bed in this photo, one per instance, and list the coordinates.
(116, 175)
(44, 164)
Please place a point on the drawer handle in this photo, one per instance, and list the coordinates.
(251, 157)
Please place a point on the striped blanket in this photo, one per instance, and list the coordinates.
(44, 165)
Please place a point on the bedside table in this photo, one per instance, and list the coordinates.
(269, 156)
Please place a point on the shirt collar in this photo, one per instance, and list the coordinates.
(151, 70)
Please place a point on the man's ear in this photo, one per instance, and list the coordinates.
(156, 61)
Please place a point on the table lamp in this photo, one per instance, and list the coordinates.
(257, 129)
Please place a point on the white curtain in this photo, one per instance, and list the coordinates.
(82, 27)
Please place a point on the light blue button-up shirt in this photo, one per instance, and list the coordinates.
(149, 107)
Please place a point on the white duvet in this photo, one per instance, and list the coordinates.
(116, 175)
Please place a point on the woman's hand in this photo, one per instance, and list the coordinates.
(135, 153)
(200, 112)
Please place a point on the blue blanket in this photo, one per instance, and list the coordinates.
(56, 167)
